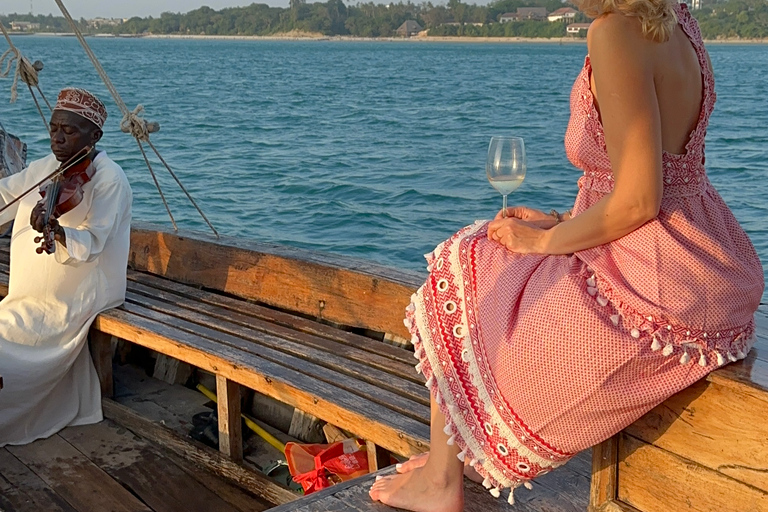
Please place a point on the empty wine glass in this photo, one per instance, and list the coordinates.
(506, 165)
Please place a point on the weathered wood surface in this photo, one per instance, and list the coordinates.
(339, 289)
(563, 490)
(229, 421)
(71, 475)
(654, 480)
(700, 445)
(201, 455)
(605, 457)
(104, 467)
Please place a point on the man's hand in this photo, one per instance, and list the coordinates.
(37, 220)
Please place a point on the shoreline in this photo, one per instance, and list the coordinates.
(415, 39)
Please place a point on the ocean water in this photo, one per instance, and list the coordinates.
(370, 149)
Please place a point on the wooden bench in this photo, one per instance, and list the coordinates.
(203, 302)
(704, 449)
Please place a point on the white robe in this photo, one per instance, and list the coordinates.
(49, 378)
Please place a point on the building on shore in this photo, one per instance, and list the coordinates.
(24, 26)
(524, 14)
(577, 29)
(409, 28)
(106, 22)
(563, 14)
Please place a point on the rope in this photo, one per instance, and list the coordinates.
(24, 69)
(132, 121)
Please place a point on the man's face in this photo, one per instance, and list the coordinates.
(70, 133)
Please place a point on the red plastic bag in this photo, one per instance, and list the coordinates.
(317, 466)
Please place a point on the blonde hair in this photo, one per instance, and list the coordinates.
(656, 16)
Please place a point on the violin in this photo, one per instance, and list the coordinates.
(63, 193)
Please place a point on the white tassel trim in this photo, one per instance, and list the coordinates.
(685, 358)
(656, 345)
(592, 291)
(731, 357)
(602, 301)
(720, 359)
(451, 441)
(430, 382)
(703, 360)
(615, 319)
(447, 430)
(487, 483)
(591, 282)
(410, 308)
(462, 455)
(635, 332)
(418, 367)
(668, 349)
(439, 398)
(495, 492)
(473, 463)
(528, 485)
(511, 498)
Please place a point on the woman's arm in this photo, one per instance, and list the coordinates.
(624, 83)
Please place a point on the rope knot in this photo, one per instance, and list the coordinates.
(134, 124)
(24, 70)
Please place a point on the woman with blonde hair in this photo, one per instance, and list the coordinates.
(541, 335)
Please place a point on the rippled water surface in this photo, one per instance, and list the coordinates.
(369, 149)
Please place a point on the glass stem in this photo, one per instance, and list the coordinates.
(504, 206)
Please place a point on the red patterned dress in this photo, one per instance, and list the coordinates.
(533, 358)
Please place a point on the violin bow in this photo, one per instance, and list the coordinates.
(74, 160)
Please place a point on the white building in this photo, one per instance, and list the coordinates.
(563, 14)
(24, 26)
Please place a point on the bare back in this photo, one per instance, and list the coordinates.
(679, 89)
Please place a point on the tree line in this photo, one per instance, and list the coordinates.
(718, 19)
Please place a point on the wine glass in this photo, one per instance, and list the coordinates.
(506, 166)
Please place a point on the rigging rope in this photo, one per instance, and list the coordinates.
(132, 122)
(24, 70)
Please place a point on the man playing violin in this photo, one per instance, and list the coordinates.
(82, 217)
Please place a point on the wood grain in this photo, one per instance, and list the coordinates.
(197, 453)
(230, 423)
(141, 467)
(100, 346)
(75, 478)
(654, 480)
(715, 426)
(366, 419)
(21, 490)
(334, 288)
(604, 473)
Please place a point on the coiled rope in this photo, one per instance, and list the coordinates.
(133, 123)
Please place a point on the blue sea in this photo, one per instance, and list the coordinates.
(369, 149)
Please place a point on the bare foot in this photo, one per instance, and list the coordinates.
(418, 461)
(419, 490)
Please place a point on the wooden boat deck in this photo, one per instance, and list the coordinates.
(105, 467)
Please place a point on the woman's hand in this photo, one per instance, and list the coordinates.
(530, 215)
(518, 235)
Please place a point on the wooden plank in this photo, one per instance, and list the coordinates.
(198, 453)
(714, 426)
(269, 315)
(366, 419)
(140, 467)
(335, 288)
(238, 312)
(76, 479)
(100, 346)
(604, 473)
(306, 428)
(230, 423)
(274, 353)
(276, 348)
(21, 490)
(170, 370)
(377, 458)
(654, 480)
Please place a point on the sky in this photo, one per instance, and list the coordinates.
(122, 8)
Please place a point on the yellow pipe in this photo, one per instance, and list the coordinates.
(249, 422)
